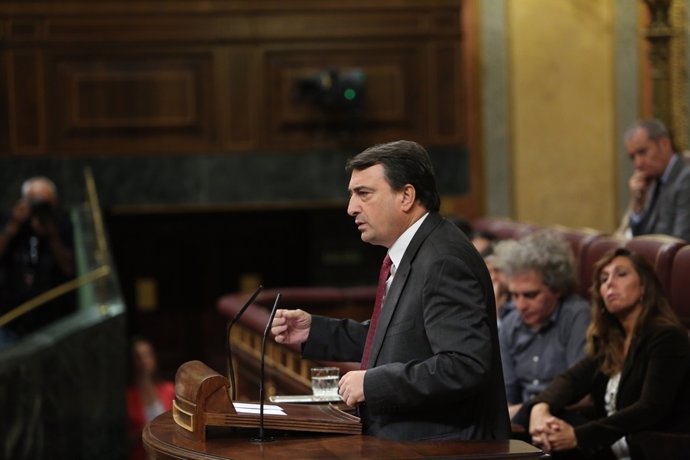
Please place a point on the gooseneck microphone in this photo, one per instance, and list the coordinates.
(262, 437)
(228, 353)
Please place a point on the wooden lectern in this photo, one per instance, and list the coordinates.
(202, 399)
(162, 442)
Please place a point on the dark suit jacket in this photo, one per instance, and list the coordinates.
(670, 214)
(434, 371)
(651, 393)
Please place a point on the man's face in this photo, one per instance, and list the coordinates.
(40, 191)
(376, 207)
(533, 299)
(649, 157)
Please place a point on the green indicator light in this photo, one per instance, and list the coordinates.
(350, 94)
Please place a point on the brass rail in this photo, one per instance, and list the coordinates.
(50, 294)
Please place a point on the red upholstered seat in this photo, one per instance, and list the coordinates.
(580, 240)
(503, 228)
(679, 290)
(659, 250)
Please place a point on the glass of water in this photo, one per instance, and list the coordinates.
(324, 382)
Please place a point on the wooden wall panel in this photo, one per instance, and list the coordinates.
(26, 103)
(242, 91)
(447, 122)
(126, 28)
(348, 24)
(139, 100)
(201, 77)
(391, 106)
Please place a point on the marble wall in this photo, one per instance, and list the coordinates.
(215, 180)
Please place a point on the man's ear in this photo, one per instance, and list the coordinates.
(408, 196)
(665, 143)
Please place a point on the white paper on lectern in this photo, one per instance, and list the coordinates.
(249, 408)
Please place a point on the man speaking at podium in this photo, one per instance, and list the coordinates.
(431, 366)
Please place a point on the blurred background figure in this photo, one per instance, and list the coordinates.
(463, 224)
(484, 241)
(36, 254)
(636, 371)
(544, 333)
(148, 396)
(501, 293)
(660, 184)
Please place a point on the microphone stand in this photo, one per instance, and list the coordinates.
(262, 437)
(228, 353)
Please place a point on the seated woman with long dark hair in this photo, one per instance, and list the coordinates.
(635, 370)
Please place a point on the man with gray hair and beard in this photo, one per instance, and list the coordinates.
(544, 333)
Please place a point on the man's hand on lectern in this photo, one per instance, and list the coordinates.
(291, 326)
(351, 387)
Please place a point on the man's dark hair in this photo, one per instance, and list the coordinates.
(404, 162)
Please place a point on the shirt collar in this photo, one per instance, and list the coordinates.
(398, 249)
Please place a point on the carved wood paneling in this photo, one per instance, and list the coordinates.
(239, 85)
(129, 77)
(392, 106)
(132, 100)
(26, 101)
(446, 120)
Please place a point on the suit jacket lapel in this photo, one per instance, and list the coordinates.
(662, 199)
(653, 207)
(390, 303)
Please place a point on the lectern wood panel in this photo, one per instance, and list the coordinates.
(202, 400)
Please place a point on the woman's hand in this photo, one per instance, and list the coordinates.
(539, 414)
(560, 435)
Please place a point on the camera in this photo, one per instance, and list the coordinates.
(43, 211)
(332, 90)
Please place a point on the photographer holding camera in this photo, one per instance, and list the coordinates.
(35, 256)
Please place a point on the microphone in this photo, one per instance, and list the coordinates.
(262, 437)
(228, 353)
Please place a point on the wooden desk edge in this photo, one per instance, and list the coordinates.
(161, 443)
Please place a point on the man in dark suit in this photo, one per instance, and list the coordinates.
(660, 184)
(433, 369)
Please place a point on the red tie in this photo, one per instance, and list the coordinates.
(380, 292)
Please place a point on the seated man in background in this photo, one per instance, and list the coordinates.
(35, 256)
(501, 294)
(484, 241)
(544, 334)
(660, 184)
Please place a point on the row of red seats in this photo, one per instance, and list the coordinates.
(669, 256)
